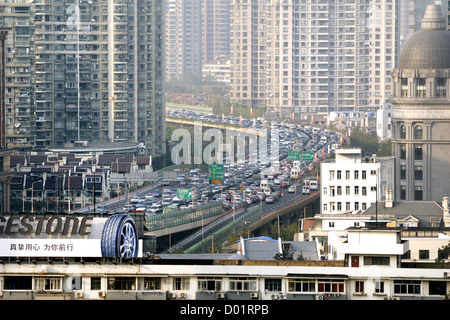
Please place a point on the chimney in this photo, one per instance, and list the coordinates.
(388, 203)
(445, 205)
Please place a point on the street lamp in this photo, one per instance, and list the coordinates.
(32, 195)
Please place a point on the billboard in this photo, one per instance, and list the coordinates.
(69, 236)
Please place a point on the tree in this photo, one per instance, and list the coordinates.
(443, 253)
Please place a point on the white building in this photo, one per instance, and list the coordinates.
(348, 185)
(384, 126)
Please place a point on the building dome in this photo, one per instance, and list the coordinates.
(428, 48)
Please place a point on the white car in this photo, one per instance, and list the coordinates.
(291, 189)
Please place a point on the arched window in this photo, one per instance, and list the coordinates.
(402, 132)
(418, 132)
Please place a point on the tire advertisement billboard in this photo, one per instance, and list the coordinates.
(69, 236)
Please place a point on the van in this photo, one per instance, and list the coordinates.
(267, 191)
(264, 184)
(295, 172)
(313, 185)
(306, 190)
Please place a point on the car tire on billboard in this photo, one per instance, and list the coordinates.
(119, 237)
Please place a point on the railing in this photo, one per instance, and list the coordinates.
(180, 217)
(221, 235)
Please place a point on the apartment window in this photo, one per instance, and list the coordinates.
(404, 87)
(424, 254)
(301, 285)
(356, 190)
(347, 190)
(418, 193)
(418, 152)
(272, 285)
(418, 132)
(331, 174)
(152, 283)
(330, 286)
(407, 286)
(347, 206)
(379, 286)
(339, 190)
(359, 286)
(376, 261)
(121, 283)
(209, 284)
(356, 175)
(347, 174)
(418, 170)
(17, 283)
(339, 206)
(364, 174)
(243, 284)
(403, 151)
(181, 283)
(402, 132)
(331, 224)
(364, 191)
(356, 206)
(96, 283)
(339, 175)
(48, 284)
(441, 88)
(421, 91)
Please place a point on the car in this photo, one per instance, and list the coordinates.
(270, 199)
(156, 193)
(306, 190)
(101, 209)
(291, 189)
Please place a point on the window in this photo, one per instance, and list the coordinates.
(359, 286)
(437, 288)
(403, 151)
(96, 283)
(421, 90)
(301, 285)
(364, 174)
(418, 193)
(441, 88)
(364, 191)
(181, 283)
(121, 283)
(356, 206)
(331, 174)
(356, 190)
(404, 87)
(347, 190)
(347, 174)
(402, 192)
(402, 132)
(424, 254)
(403, 172)
(376, 261)
(379, 286)
(418, 172)
(17, 283)
(339, 190)
(48, 284)
(330, 286)
(407, 286)
(152, 283)
(272, 285)
(209, 284)
(356, 175)
(243, 284)
(331, 224)
(339, 175)
(418, 132)
(418, 152)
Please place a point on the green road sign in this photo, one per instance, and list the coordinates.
(215, 172)
(307, 156)
(294, 155)
(184, 193)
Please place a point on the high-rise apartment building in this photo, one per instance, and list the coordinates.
(306, 57)
(5, 151)
(18, 15)
(183, 38)
(99, 71)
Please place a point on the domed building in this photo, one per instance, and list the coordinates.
(421, 112)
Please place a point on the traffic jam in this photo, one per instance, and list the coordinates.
(246, 182)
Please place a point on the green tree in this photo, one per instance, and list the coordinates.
(443, 253)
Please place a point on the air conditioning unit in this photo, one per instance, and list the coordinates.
(172, 295)
(319, 297)
(79, 295)
(283, 296)
(253, 295)
(220, 295)
(101, 294)
(275, 297)
(183, 295)
(395, 298)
